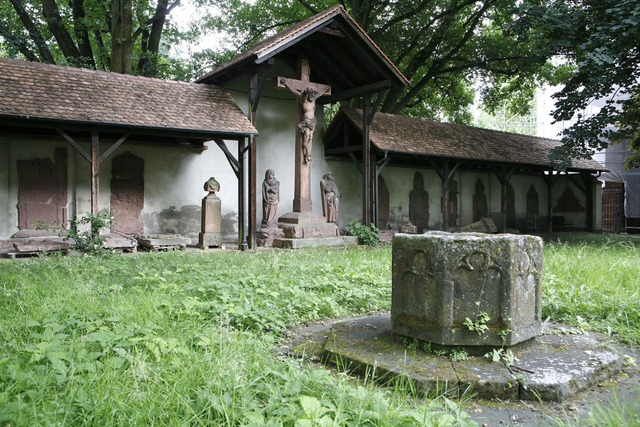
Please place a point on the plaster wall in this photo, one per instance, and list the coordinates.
(173, 179)
(400, 183)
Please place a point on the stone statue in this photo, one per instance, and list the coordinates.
(419, 204)
(330, 197)
(307, 99)
(270, 199)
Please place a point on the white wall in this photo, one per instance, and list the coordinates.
(5, 188)
(173, 182)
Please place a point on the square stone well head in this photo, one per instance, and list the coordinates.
(446, 285)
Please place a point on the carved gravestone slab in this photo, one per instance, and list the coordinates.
(42, 191)
(442, 279)
(127, 193)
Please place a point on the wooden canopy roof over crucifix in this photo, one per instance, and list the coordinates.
(340, 51)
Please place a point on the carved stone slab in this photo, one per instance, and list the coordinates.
(442, 279)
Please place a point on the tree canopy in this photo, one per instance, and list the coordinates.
(599, 41)
(123, 36)
(442, 46)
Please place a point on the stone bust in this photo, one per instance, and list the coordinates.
(212, 186)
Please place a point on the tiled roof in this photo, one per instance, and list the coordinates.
(48, 92)
(401, 134)
(273, 44)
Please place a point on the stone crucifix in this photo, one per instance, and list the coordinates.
(306, 93)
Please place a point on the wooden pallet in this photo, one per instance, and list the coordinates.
(29, 254)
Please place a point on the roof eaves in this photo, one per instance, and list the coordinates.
(54, 123)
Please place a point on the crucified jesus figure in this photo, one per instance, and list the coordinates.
(307, 98)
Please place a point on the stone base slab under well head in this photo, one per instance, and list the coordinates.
(467, 289)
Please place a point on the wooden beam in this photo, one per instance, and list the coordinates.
(256, 87)
(331, 32)
(504, 175)
(382, 163)
(75, 145)
(352, 93)
(550, 179)
(366, 163)
(588, 183)
(111, 149)
(95, 173)
(242, 225)
(356, 161)
(376, 106)
(235, 164)
(253, 221)
(343, 150)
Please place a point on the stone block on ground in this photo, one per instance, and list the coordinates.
(467, 289)
(163, 242)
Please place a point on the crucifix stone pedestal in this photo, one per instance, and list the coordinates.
(303, 226)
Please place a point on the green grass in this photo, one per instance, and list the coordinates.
(191, 338)
(593, 282)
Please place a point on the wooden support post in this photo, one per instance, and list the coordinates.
(95, 173)
(94, 160)
(550, 179)
(253, 221)
(256, 86)
(504, 176)
(445, 173)
(366, 163)
(242, 213)
(379, 166)
(588, 183)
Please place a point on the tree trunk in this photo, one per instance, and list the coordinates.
(62, 36)
(121, 38)
(81, 32)
(148, 64)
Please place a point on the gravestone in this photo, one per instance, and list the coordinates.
(480, 206)
(467, 289)
(211, 234)
(42, 191)
(127, 193)
(419, 204)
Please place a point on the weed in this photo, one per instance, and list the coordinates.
(90, 241)
(412, 345)
(366, 235)
(506, 357)
(459, 355)
(479, 325)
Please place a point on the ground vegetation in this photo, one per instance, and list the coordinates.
(169, 338)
